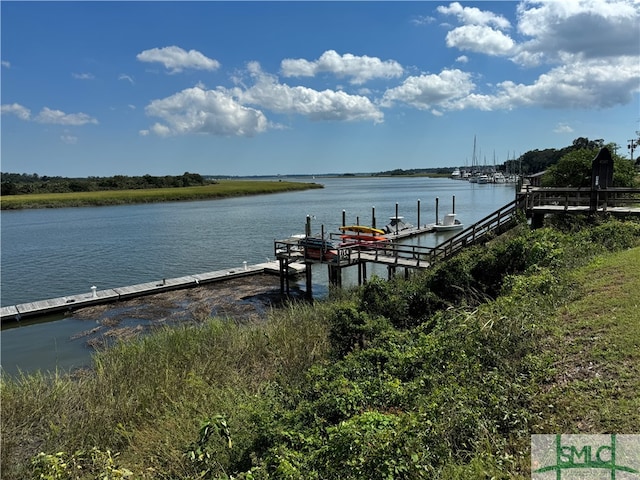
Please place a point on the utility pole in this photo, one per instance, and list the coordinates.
(633, 143)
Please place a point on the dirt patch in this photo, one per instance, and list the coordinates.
(245, 299)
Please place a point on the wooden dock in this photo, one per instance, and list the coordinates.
(111, 295)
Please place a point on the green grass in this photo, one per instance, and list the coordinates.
(596, 340)
(225, 188)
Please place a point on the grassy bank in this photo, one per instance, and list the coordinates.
(445, 375)
(222, 189)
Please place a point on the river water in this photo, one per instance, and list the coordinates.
(48, 253)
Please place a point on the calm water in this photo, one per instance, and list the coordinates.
(55, 252)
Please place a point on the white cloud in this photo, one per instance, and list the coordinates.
(359, 69)
(175, 59)
(583, 84)
(586, 28)
(58, 117)
(422, 20)
(316, 105)
(69, 139)
(82, 76)
(6, 64)
(124, 76)
(214, 112)
(589, 84)
(592, 46)
(462, 59)
(480, 38)
(16, 109)
(563, 128)
(474, 16)
(428, 91)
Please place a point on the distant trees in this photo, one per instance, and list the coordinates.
(574, 168)
(23, 183)
(535, 161)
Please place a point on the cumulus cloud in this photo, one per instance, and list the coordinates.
(591, 46)
(6, 64)
(480, 38)
(49, 116)
(474, 16)
(268, 93)
(588, 84)
(584, 28)
(429, 91)
(214, 112)
(16, 109)
(176, 59)
(57, 117)
(583, 84)
(360, 69)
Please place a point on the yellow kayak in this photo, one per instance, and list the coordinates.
(361, 229)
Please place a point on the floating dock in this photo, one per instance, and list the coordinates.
(96, 297)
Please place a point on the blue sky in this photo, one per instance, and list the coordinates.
(265, 88)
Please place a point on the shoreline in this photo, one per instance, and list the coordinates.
(242, 300)
(220, 190)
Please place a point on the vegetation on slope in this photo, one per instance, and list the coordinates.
(443, 375)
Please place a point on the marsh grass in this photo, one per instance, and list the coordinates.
(225, 188)
(146, 398)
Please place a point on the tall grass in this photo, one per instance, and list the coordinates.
(225, 188)
(147, 398)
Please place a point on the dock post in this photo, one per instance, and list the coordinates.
(307, 228)
(437, 202)
(344, 218)
(307, 272)
(281, 271)
(373, 217)
(397, 226)
(454, 205)
(418, 213)
(391, 270)
(335, 275)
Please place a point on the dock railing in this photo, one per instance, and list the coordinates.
(496, 222)
(580, 199)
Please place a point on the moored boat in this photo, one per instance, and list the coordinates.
(450, 222)
(318, 248)
(396, 224)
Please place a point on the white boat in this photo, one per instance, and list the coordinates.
(450, 222)
(456, 174)
(483, 178)
(499, 177)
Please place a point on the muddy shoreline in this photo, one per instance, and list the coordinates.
(243, 300)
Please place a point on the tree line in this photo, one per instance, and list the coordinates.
(24, 183)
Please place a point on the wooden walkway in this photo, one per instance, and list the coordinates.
(74, 302)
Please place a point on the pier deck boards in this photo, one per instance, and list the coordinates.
(73, 302)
